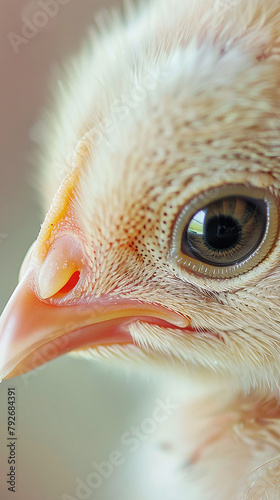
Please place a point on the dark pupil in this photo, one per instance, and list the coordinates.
(222, 232)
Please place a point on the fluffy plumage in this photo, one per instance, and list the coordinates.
(166, 102)
(178, 104)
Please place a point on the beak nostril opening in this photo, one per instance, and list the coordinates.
(60, 270)
(71, 283)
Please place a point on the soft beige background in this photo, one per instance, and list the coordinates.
(24, 85)
(70, 412)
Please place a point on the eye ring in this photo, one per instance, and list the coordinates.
(199, 257)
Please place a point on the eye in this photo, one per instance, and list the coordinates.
(226, 236)
(226, 231)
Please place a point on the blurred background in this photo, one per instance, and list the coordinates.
(70, 412)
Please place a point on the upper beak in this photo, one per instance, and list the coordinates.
(34, 331)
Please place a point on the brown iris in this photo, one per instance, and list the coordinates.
(226, 231)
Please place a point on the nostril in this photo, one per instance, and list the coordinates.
(71, 283)
(60, 270)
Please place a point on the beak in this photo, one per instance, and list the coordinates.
(34, 331)
(49, 313)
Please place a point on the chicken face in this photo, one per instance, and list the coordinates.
(162, 241)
